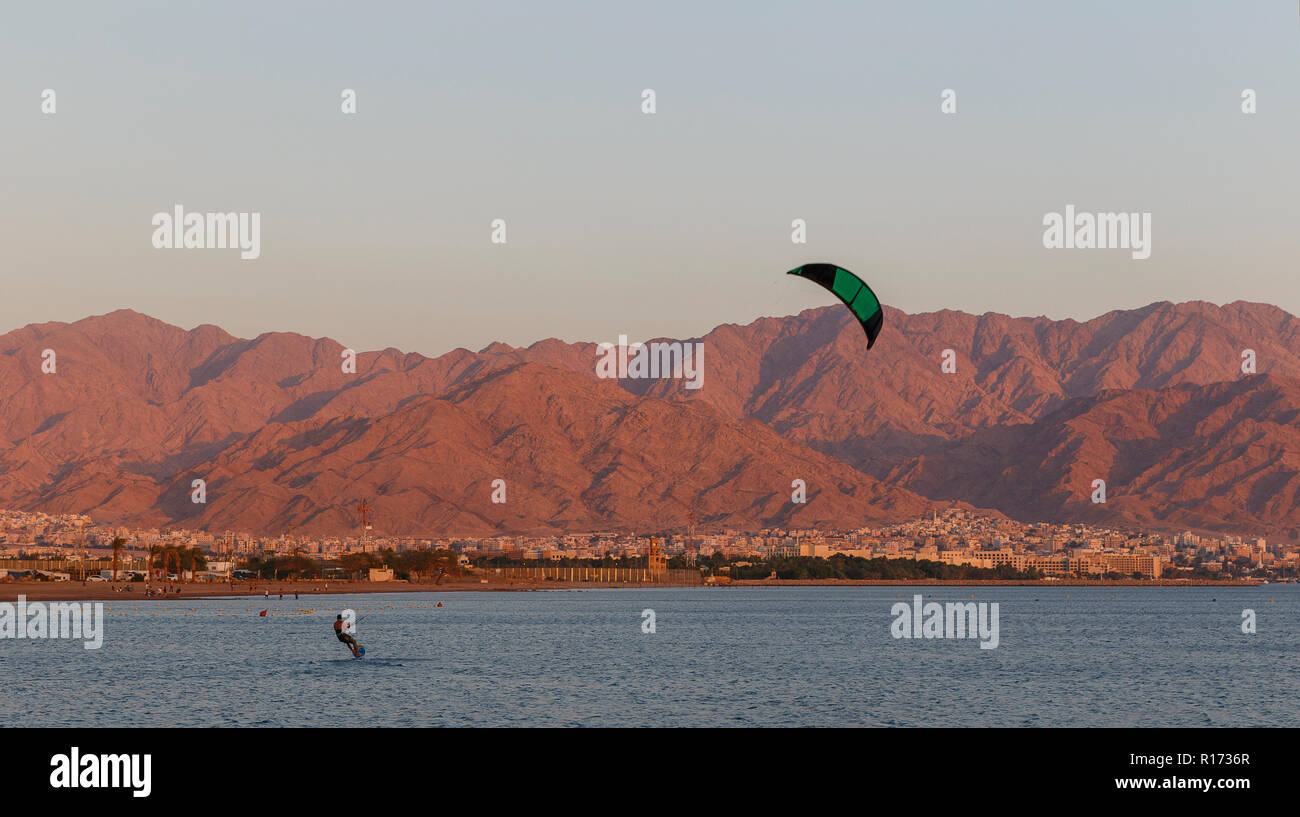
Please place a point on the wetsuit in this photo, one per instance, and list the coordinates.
(344, 637)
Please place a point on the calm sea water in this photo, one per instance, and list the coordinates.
(720, 657)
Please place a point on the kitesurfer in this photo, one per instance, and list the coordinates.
(344, 637)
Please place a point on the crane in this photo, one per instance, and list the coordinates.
(363, 510)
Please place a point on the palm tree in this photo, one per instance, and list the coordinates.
(197, 562)
(117, 556)
(149, 566)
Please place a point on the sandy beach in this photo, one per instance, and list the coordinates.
(96, 591)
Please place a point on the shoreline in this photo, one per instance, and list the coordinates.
(101, 591)
(998, 583)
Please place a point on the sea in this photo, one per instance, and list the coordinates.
(714, 657)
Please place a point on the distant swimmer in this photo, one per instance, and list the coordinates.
(344, 637)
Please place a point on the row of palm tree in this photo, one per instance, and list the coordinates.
(162, 557)
(418, 564)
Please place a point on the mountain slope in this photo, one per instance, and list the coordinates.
(138, 408)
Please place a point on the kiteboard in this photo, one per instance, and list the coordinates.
(361, 652)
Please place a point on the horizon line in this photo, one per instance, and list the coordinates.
(799, 314)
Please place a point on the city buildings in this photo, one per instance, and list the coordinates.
(955, 537)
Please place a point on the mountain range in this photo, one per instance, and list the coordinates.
(1030, 411)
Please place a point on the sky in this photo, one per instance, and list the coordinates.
(376, 226)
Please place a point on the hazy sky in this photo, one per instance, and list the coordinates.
(375, 226)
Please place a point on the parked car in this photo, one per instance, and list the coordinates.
(96, 579)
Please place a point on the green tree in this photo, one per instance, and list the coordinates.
(118, 542)
(355, 563)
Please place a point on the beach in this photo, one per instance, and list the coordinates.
(103, 591)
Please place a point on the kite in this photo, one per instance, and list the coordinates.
(850, 289)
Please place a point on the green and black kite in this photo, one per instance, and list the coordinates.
(849, 288)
